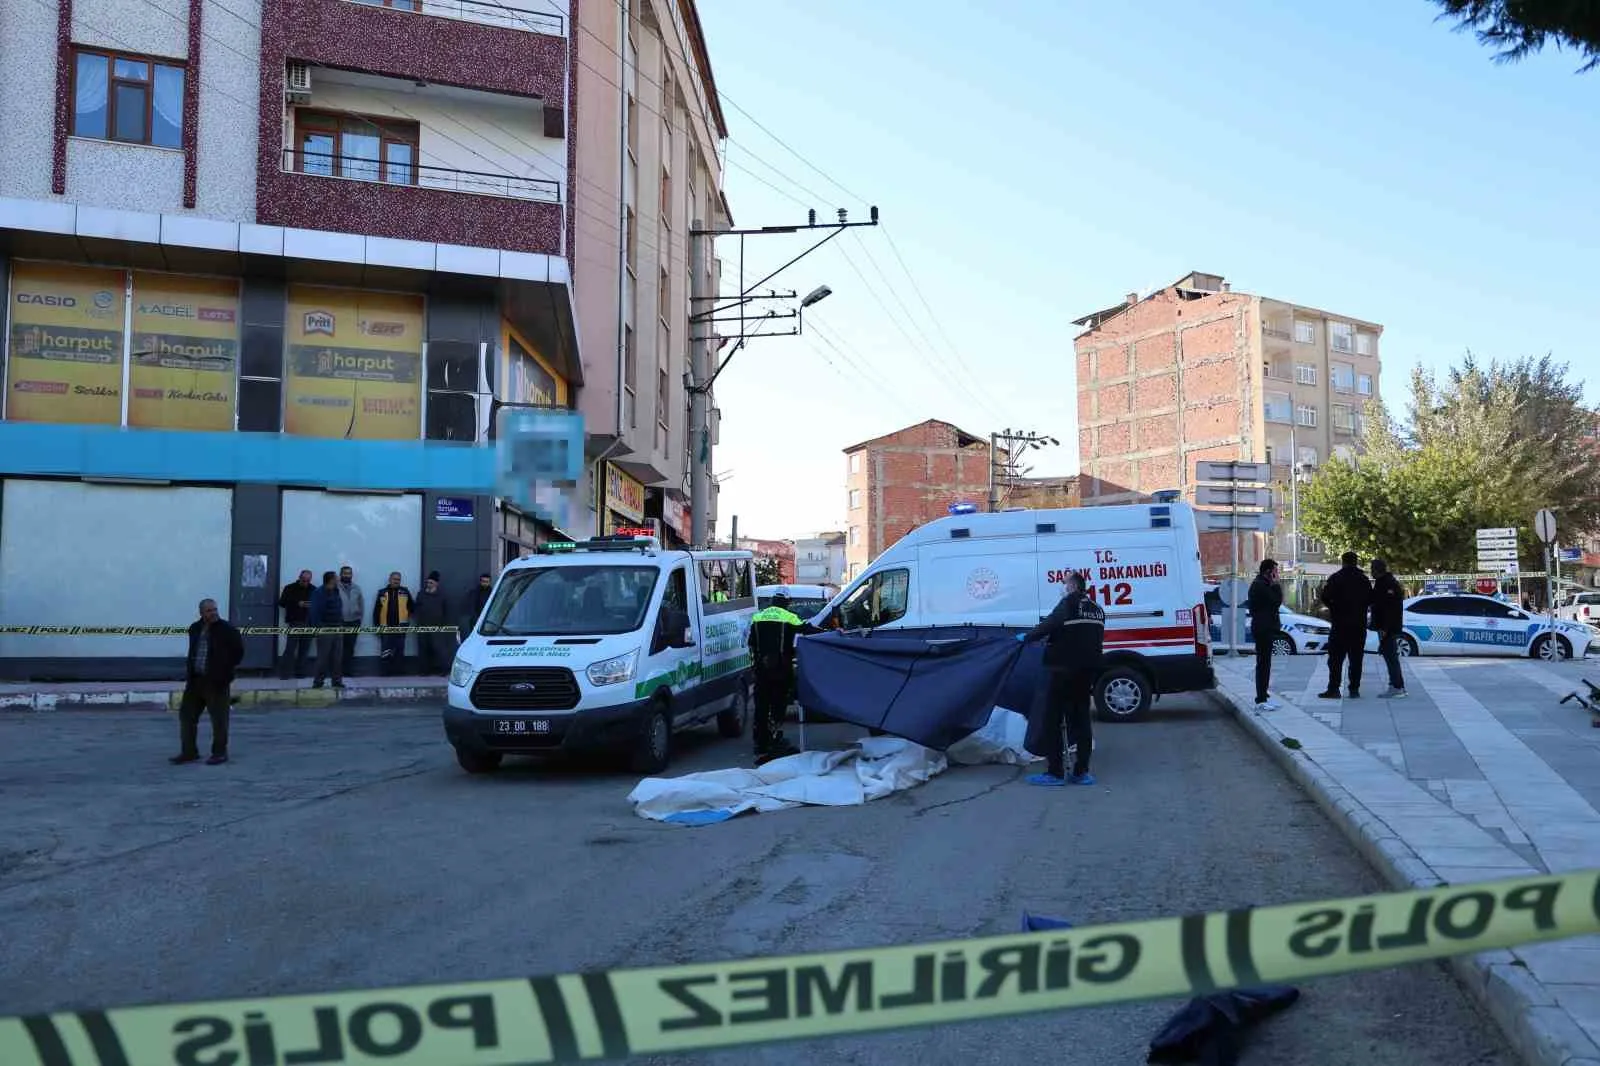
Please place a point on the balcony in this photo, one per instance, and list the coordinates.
(389, 158)
(516, 48)
(1277, 336)
(529, 17)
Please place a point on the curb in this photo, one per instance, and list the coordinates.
(1540, 1031)
(262, 699)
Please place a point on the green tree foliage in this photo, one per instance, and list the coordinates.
(1484, 447)
(1517, 29)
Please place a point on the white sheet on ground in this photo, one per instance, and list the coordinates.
(872, 768)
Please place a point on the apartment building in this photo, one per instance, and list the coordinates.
(1197, 371)
(901, 480)
(820, 560)
(648, 166)
(273, 270)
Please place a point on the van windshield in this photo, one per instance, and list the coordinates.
(570, 601)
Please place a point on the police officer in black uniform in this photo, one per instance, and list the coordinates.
(1075, 650)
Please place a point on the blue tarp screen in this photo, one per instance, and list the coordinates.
(931, 686)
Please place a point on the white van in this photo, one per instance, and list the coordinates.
(610, 643)
(1006, 569)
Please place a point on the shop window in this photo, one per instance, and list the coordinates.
(453, 390)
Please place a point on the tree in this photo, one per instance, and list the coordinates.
(1487, 447)
(1520, 28)
(768, 570)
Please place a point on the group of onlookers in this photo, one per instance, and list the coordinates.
(339, 603)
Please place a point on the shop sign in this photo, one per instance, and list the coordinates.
(65, 347)
(354, 367)
(624, 495)
(453, 509)
(527, 380)
(185, 356)
(676, 516)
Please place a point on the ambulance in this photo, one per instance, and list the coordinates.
(611, 643)
(1005, 569)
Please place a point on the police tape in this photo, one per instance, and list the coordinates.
(179, 631)
(615, 1014)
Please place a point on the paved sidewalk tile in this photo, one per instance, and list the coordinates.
(1469, 796)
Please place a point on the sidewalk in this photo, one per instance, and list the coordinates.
(1480, 774)
(265, 693)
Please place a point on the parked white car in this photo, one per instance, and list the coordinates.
(1466, 624)
(1582, 607)
(1301, 634)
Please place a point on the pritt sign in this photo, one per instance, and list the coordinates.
(318, 322)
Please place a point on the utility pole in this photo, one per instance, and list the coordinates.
(1012, 438)
(701, 373)
(699, 395)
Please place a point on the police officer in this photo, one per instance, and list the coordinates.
(772, 652)
(1075, 633)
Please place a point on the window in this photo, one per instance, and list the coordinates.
(398, 5)
(725, 584)
(1305, 414)
(1344, 377)
(630, 378)
(855, 499)
(631, 117)
(127, 98)
(565, 601)
(1272, 454)
(1279, 407)
(666, 199)
(1305, 332)
(879, 600)
(1344, 417)
(855, 535)
(1344, 453)
(661, 409)
(1341, 336)
(855, 462)
(349, 146)
(1305, 374)
(1307, 456)
(1364, 384)
(1366, 343)
(630, 223)
(1277, 371)
(1311, 546)
(663, 296)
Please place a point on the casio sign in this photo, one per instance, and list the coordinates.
(45, 299)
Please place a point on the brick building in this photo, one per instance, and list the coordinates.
(1041, 493)
(1196, 371)
(780, 550)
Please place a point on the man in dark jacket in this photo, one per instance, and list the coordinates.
(327, 614)
(215, 651)
(1346, 595)
(476, 600)
(1388, 619)
(1075, 631)
(295, 601)
(392, 607)
(433, 609)
(1265, 601)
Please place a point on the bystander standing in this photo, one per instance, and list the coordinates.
(327, 614)
(296, 603)
(215, 651)
(1388, 619)
(1266, 622)
(1347, 595)
(437, 650)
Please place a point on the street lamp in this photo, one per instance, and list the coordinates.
(816, 296)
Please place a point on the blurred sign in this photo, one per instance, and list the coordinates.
(453, 509)
(624, 494)
(1246, 521)
(535, 450)
(1229, 471)
(1438, 588)
(1572, 555)
(1229, 496)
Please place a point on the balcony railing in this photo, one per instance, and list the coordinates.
(1277, 333)
(488, 12)
(421, 175)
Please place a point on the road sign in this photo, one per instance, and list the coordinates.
(1497, 545)
(1231, 496)
(1244, 522)
(1572, 555)
(1497, 534)
(1206, 470)
(1508, 568)
(1497, 555)
(1544, 524)
(1487, 586)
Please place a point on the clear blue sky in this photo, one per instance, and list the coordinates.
(1034, 161)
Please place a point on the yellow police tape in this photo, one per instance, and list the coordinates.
(178, 631)
(614, 1014)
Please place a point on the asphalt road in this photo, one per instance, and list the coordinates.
(346, 849)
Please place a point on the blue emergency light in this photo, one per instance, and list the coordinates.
(963, 508)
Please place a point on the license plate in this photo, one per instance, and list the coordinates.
(521, 726)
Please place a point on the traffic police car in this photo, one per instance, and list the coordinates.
(1466, 624)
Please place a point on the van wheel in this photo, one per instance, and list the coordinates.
(478, 762)
(654, 748)
(1123, 694)
(731, 722)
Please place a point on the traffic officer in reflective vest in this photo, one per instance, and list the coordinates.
(772, 652)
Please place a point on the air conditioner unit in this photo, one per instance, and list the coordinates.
(297, 84)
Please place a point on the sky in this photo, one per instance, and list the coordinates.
(1035, 160)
